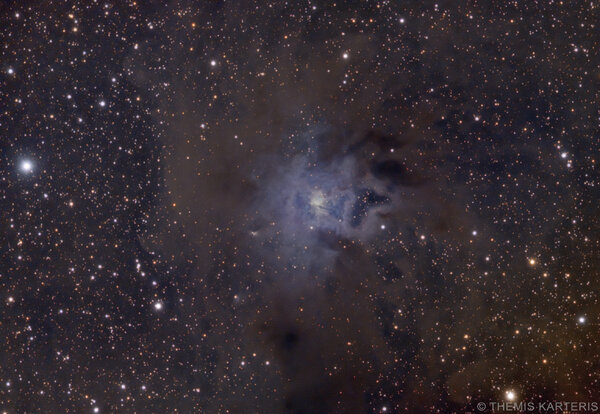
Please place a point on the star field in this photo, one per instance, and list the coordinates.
(298, 207)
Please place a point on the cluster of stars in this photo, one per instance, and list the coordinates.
(290, 207)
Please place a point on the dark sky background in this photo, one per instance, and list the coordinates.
(298, 207)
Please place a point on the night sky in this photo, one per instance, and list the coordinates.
(298, 207)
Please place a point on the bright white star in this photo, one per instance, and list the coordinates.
(26, 166)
